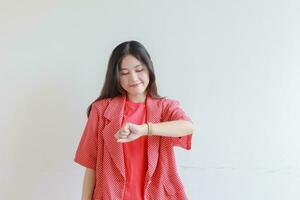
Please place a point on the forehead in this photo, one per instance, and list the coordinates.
(129, 62)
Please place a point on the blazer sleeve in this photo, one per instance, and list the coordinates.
(172, 112)
(86, 153)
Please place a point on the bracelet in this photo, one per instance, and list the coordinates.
(149, 128)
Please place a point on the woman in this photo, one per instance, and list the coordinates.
(127, 143)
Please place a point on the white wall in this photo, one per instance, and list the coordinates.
(233, 65)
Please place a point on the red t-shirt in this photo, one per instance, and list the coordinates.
(135, 153)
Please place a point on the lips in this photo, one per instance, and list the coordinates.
(134, 85)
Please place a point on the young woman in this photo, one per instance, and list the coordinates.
(127, 144)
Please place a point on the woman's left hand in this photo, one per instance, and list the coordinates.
(130, 132)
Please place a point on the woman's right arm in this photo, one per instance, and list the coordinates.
(88, 184)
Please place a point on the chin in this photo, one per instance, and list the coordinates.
(139, 92)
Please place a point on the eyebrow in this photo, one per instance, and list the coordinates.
(134, 67)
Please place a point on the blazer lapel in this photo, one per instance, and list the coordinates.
(114, 113)
(153, 115)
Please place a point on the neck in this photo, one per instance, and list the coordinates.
(137, 99)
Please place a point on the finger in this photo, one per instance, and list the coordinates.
(125, 140)
(123, 134)
(118, 135)
(126, 127)
(122, 140)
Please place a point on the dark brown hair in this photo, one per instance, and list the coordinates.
(112, 87)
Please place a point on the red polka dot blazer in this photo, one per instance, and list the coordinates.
(99, 150)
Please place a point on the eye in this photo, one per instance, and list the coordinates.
(128, 72)
(124, 72)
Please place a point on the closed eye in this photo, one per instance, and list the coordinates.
(128, 72)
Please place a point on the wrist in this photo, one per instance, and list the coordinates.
(150, 131)
(144, 129)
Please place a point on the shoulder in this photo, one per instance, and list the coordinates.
(101, 104)
(163, 102)
(168, 102)
(169, 106)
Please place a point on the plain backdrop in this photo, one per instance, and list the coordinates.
(233, 65)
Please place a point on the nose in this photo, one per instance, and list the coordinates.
(133, 77)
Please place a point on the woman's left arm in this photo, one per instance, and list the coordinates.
(176, 128)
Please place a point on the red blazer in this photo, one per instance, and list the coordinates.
(99, 150)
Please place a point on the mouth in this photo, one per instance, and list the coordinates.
(135, 85)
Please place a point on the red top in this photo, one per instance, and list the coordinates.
(135, 153)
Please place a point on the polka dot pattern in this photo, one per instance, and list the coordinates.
(173, 111)
(99, 150)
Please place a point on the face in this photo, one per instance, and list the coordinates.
(134, 77)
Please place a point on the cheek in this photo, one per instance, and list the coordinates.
(145, 76)
(122, 81)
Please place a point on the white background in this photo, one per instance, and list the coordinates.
(233, 65)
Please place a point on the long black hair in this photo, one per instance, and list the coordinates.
(112, 87)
